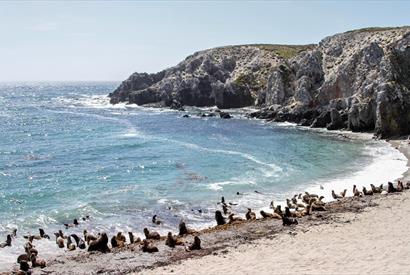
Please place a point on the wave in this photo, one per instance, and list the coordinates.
(387, 164)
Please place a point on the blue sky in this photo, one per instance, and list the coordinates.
(110, 40)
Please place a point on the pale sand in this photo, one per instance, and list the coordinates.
(375, 241)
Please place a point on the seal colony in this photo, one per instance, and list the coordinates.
(302, 207)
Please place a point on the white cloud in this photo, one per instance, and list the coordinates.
(44, 27)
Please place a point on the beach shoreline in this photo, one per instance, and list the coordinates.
(264, 246)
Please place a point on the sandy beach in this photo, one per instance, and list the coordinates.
(354, 235)
(373, 241)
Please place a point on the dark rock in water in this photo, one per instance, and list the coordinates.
(357, 80)
(224, 115)
(322, 120)
(186, 115)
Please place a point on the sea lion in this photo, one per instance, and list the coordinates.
(148, 247)
(101, 244)
(400, 186)
(33, 251)
(74, 224)
(407, 185)
(286, 221)
(278, 210)
(114, 242)
(225, 209)
(220, 220)
(233, 219)
(292, 214)
(121, 240)
(250, 215)
(336, 196)
(367, 192)
(59, 240)
(290, 204)
(14, 233)
(43, 234)
(343, 194)
(391, 188)
(183, 229)
(155, 220)
(376, 189)
(151, 235)
(269, 215)
(24, 266)
(70, 245)
(170, 241)
(23, 258)
(356, 192)
(35, 262)
(131, 237)
(272, 205)
(80, 242)
(88, 237)
(196, 245)
(7, 242)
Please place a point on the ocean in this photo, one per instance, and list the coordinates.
(65, 152)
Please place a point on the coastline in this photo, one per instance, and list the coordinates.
(365, 241)
(320, 243)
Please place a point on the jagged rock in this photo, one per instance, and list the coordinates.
(322, 120)
(358, 80)
(336, 121)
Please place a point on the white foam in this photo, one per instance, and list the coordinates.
(388, 164)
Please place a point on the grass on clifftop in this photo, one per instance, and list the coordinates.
(284, 51)
(376, 29)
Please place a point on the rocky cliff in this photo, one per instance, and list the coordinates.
(358, 80)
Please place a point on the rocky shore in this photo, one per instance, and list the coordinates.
(357, 80)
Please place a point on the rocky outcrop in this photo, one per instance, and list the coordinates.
(358, 80)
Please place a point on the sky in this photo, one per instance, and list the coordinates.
(109, 40)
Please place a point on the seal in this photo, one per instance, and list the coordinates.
(148, 247)
(59, 240)
(101, 244)
(151, 235)
(131, 237)
(233, 219)
(183, 229)
(70, 245)
(367, 192)
(43, 235)
(80, 242)
(35, 262)
(336, 196)
(7, 242)
(196, 245)
(376, 189)
(286, 221)
(88, 237)
(391, 188)
(155, 220)
(220, 220)
(356, 192)
(270, 216)
(250, 215)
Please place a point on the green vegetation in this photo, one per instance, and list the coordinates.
(376, 29)
(284, 51)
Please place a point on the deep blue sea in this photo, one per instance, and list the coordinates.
(65, 152)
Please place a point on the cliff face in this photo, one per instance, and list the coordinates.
(358, 80)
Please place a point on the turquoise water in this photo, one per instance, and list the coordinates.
(65, 153)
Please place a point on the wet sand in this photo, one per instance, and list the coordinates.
(355, 235)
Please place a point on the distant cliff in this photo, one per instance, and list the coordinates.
(357, 80)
